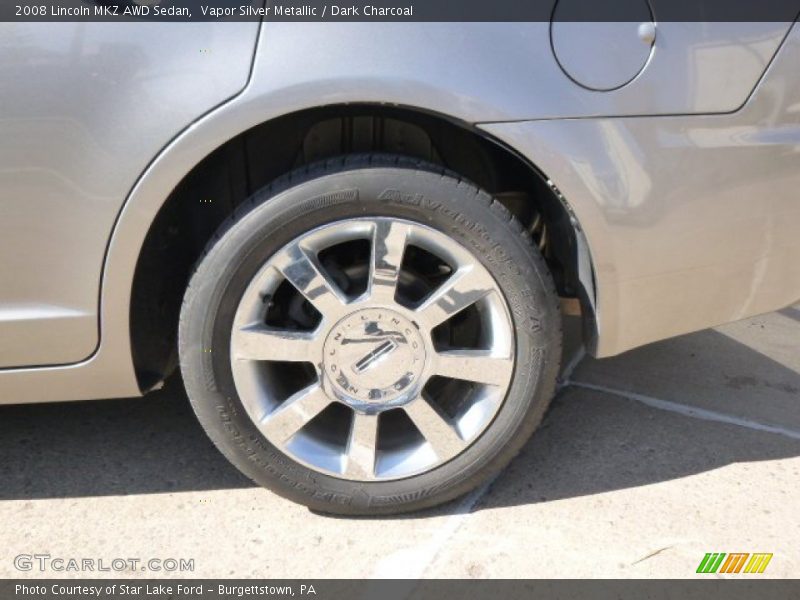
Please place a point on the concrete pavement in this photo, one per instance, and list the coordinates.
(645, 462)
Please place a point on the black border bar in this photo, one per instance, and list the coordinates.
(743, 588)
(417, 11)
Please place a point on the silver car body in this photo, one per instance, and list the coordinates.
(682, 174)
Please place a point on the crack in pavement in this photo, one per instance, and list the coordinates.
(651, 555)
(690, 411)
(418, 560)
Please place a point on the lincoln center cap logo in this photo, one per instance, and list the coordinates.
(374, 355)
(382, 351)
(373, 333)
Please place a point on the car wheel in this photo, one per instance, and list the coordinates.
(370, 335)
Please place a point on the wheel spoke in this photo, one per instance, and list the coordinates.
(302, 271)
(295, 412)
(259, 343)
(362, 446)
(435, 428)
(474, 365)
(465, 287)
(388, 247)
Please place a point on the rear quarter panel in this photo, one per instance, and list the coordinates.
(692, 221)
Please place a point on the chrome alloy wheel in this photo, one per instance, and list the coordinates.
(372, 349)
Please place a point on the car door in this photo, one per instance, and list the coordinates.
(84, 108)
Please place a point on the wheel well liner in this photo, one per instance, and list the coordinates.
(210, 192)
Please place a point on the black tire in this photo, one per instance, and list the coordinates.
(355, 186)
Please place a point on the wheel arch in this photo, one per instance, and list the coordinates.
(209, 169)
